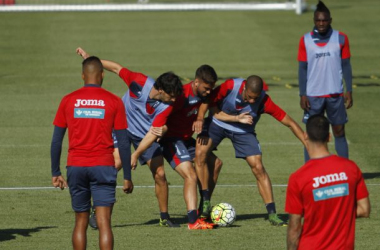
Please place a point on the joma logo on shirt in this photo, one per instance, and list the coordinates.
(318, 55)
(89, 102)
(329, 178)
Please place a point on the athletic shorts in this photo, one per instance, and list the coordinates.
(153, 151)
(245, 144)
(334, 107)
(176, 150)
(98, 182)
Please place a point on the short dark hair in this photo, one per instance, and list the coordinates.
(169, 83)
(317, 128)
(92, 64)
(321, 7)
(207, 74)
(254, 83)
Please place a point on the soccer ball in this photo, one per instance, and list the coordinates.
(223, 214)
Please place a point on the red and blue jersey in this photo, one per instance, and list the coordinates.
(142, 111)
(325, 192)
(90, 114)
(185, 111)
(228, 98)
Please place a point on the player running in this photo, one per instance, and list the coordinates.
(237, 105)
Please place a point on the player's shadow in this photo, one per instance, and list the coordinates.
(10, 234)
(371, 175)
(177, 219)
(284, 217)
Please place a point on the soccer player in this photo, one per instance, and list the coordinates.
(179, 145)
(238, 105)
(90, 114)
(324, 56)
(328, 192)
(148, 104)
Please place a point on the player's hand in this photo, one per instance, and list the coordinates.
(59, 181)
(82, 53)
(245, 118)
(128, 187)
(198, 126)
(202, 140)
(348, 100)
(134, 158)
(305, 105)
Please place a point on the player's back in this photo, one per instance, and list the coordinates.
(90, 114)
(329, 190)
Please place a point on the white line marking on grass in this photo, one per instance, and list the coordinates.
(170, 186)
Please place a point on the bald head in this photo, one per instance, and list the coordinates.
(92, 70)
(254, 84)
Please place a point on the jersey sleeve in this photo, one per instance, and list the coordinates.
(120, 121)
(60, 117)
(271, 108)
(220, 92)
(161, 118)
(302, 55)
(293, 203)
(346, 47)
(130, 77)
(361, 188)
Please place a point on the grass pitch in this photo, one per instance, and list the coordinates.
(39, 66)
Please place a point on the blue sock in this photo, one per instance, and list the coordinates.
(192, 216)
(164, 215)
(341, 146)
(306, 155)
(271, 208)
(206, 194)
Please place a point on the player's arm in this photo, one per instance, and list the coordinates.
(244, 117)
(346, 69)
(55, 153)
(347, 75)
(108, 65)
(295, 128)
(294, 231)
(125, 157)
(146, 142)
(363, 208)
(198, 123)
(302, 74)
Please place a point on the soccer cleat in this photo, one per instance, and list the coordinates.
(200, 224)
(206, 210)
(275, 221)
(92, 221)
(168, 223)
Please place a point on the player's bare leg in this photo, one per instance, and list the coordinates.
(187, 172)
(263, 181)
(156, 166)
(103, 220)
(265, 188)
(79, 237)
(214, 165)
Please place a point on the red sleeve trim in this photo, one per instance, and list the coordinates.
(271, 108)
(220, 92)
(130, 76)
(345, 47)
(161, 118)
(302, 55)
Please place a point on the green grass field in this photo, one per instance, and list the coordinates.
(39, 66)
